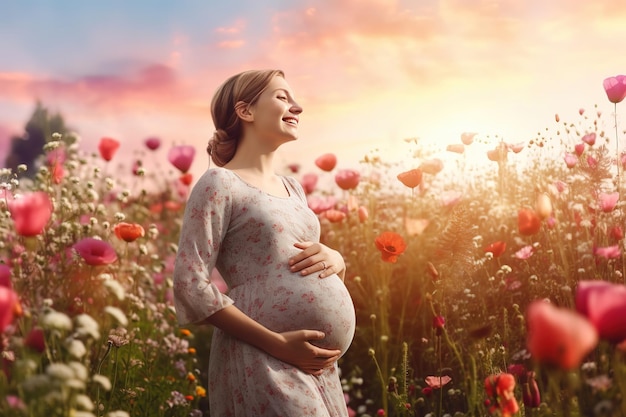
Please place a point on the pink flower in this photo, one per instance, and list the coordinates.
(181, 157)
(31, 213)
(431, 166)
(570, 160)
(153, 143)
(363, 214)
(608, 201)
(108, 147)
(604, 304)
(437, 381)
(525, 252)
(326, 162)
(320, 205)
(516, 147)
(589, 138)
(467, 138)
(5, 276)
(592, 162)
(95, 252)
(347, 179)
(608, 252)
(9, 304)
(309, 182)
(558, 336)
(615, 88)
(579, 148)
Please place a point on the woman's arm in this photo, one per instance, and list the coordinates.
(291, 347)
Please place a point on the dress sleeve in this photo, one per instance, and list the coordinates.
(205, 222)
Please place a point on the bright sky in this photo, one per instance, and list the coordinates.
(369, 73)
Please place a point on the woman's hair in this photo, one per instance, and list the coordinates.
(246, 87)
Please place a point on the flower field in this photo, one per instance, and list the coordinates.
(493, 291)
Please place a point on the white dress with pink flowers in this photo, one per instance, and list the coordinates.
(249, 235)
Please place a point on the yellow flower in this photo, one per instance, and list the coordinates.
(200, 392)
(191, 377)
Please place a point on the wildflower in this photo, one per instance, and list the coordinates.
(186, 179)
(525, 252)
(87, 326)
(528, 222)
(55, 320)
(95, 252)
(467, 137)
(335, 216)
(543, 206)
(108, 147)
(347, 179)
(558, 336)
(200, 391)
(616, 232)
(498, 154)
(500, 390)
(496, 248)
(103, 381)
(191, 377)
(35, 340)
(191, 351)
(592, 162)
(129, 232)
(391, 245)
(435, 382)
(608, 201)
(76, 348)
(415, 227)
(31, 213)
(326, 162)
(9, 304)
(411, 178)
(615, 88)
(579, 148)
(117, 314)
(152, 143)
(589, 138)
(185, 332)
(456, 148)
(309, 182)
(608, 252)
(604, 304)
(431, 166)
(570, 160)
(181, 157)
(516, 147)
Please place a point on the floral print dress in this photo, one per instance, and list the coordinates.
(249, 235)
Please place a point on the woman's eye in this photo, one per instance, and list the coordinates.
(282, 98)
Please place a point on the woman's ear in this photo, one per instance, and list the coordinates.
(243, 111)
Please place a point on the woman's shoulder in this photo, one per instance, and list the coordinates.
(215, 176)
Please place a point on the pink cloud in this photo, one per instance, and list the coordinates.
(235, 44)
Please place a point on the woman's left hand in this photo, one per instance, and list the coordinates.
(317, 257)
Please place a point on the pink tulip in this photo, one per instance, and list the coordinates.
(604, 304)
(5, 276)
(181, 157)
(31, 213)
(108, 147)
(589, 138)
(95, 252)
(153, 143)
(615, 88)
(570, 160)
(608, 201)
(309, 182)
(558, 336)
(9, 303)
(347, 179)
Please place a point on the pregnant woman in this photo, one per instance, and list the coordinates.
(287, 317)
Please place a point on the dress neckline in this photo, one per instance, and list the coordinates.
(282, 179)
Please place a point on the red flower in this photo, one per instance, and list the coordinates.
(153, 143)
(530, 393)
(528, 222)
(294, 168)
(570, 160)
(439, 322)
(467, 138)
(5, 276)
(558, 336)
(496, 248)
(431, 166)
(95, 252)
(608, 252)
(309, 182)
(500, 388)
(516, 147)
(391, 245)
(347, 179)
(604, 304)
(326, 162)
(411, 178)
(499, 154)
(108, 147)
(186, 178)
(35, 340)
(181, 157)
(616, 233)
(615, 88)
(9, 306)
(129, 232)
(579, 148)
(589, 138)
(335, 216)
(31, 213)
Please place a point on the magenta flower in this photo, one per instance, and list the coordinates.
(95, 252)
(5, 276)
(181, 157)
(31, 213)
(347, 179)
(608, 252)
(570, 160)
(589, 138)
(153, 143)
(604, 304)
(608, 201)
(615, 88)
(524, 253)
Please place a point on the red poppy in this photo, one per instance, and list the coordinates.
(95, 252)
(615, 88)
(558, 336)
(5, 276)
(431, 166)
(411, 178)
(589, 138)
(467, 138)
(31, 213)
(335, 216)
(309, 182)
(181, 157)
(528, 222)
(9, 306)
(391, 245)
(186, 178)
(496, 248)
(108, 147)
(604, 304)
(579, 148)
(347, 179)
(456, 148)
(608, 252)
(326, 162)
(439, 322)
(153, 143)
(500, 388)
(129, 232)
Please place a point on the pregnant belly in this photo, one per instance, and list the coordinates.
(300, 303)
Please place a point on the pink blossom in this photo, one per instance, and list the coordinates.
(95, 252)
(525, 252)
(309, 182)
(5, 276)
(347, 179)
(592, 162)
(604, 304)
(321, 204)
(8, 303)
(31, 213)
(181, 157)
(589, 138)
(608, 201)
(516, 147)
(153, 143)
(467, 137)
(570, 160)
(615, 88)
(608, 252)
(579, 148)
(437, 381)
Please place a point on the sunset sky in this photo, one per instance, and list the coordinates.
(369, 73)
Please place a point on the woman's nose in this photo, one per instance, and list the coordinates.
(296, 109)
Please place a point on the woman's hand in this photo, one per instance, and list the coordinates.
(294, 348)
(317, 257)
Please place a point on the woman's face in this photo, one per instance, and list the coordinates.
(276, 113)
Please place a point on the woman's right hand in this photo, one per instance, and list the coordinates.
(294, 347)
